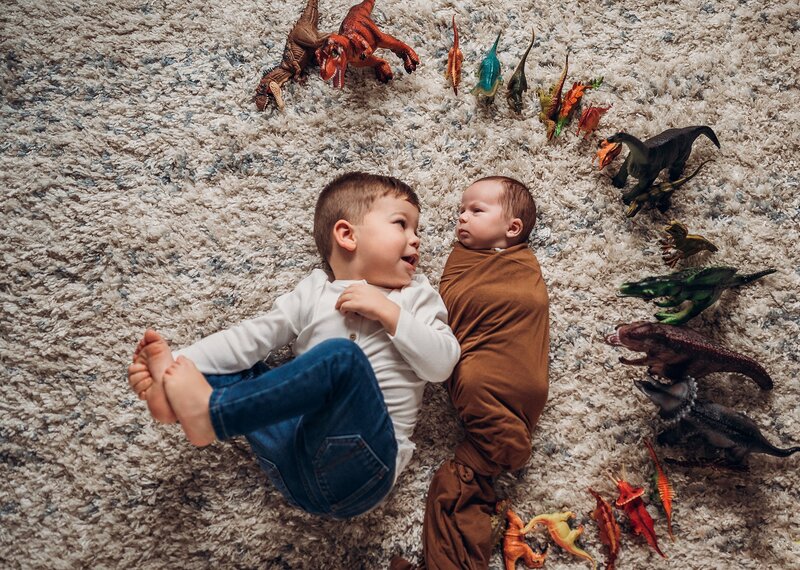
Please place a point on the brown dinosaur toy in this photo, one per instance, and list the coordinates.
(355, 43)
(680, 244)
(674, 352)
(303, 40)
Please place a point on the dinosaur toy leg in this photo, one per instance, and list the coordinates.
(383, 71)
(622, 175)
(401, 50)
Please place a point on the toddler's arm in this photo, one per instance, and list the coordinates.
(423, 337)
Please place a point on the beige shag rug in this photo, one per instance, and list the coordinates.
(141, 188)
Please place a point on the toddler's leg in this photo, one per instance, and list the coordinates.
(146, 375)
(189, 392)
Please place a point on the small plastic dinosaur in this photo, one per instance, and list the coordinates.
(680, 244)
(454, 60)
(659, 195)
(590, 118)
(561, 533)
(518, 85)
(488, 74)
(551, 101)
(515, 547)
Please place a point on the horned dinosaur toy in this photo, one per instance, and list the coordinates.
(561, 533)
(518, 85)
(659, 195)
(454, 60)
(515, 547)
(355, 43)
(606, 153)
(680, 244)
(646, 159)
(674, 352)
(723, 428)
(699, 287)
(488, 74)
(551, 101)
(630, 500)
(298, 53)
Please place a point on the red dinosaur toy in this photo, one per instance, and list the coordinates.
(358, 37)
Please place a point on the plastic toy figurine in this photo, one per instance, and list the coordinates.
(680, 244)
(572, 101)
(515, 547)
(665, 492)
(589, 120)
(561, 533)
(298, 53)
(355, 43)
(488, 74)
(674, 352)
(659, 196)
(607, 153)
(551, 102)
(698, 287)
(608, 528)
(723, 428)
(518, 85)
(630, 500)
(454, 60)
(646, 159)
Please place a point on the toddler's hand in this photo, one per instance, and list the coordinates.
(371, 303)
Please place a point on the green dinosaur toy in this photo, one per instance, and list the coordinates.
(659, 195)
(518, 85)
(700, 287)
(646, 159)
(488, 74)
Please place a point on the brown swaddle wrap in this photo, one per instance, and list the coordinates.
(498, 309)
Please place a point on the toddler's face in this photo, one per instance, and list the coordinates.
(388, 246)
(482, 224)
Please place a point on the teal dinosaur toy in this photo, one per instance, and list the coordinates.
(518, 85)
(488, 74)
(699, 286)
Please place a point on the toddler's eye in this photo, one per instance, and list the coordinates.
(401, 222)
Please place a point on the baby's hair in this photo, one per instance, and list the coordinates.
(518, 203)
(350, 197)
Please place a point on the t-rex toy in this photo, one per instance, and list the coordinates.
(723, 428)
(561, 533)
(674, 352)
(355, 43)
(680, 244)
(646, 159)
(298, 53)
(700, 287)
(659, 195)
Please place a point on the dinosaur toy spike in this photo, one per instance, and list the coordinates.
(517, 85)
(454, 61)
(665, 491)
(489, 78)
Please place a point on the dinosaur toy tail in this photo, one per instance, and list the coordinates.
(497, 41)
(778, 452)
(749, 278)
(704, 130)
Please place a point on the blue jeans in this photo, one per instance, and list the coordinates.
(318, 426)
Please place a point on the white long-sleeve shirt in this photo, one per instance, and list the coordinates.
(423, 348)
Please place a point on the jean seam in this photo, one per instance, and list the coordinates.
(215, 411)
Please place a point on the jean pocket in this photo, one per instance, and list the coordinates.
(276, 478)
(349, 474)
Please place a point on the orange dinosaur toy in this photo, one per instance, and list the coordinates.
(454, 60)
(355, 43)
(561, 533)
(609, 529)
(515, 547)
(590, 118)
(630, 500)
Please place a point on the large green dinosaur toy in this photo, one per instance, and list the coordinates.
(647, 159)
(700, 287)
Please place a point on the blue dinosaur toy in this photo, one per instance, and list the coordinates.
(488, 74)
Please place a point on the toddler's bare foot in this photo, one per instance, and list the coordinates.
(189, 392)
(152, 351)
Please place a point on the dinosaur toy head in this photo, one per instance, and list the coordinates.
(332, 57)
(673, 400)
(651, 287)
(635, 336)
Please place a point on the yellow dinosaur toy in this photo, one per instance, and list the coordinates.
(562, 534)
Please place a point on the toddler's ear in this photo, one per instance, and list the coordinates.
(514, 228)
(344, 236)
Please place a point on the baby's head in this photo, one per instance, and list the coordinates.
(496, 211)
(365, 227)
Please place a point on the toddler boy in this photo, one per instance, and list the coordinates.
(331, 428)
(498, 309)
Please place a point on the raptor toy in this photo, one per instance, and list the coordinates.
(561, 533)
(674, 352)
(354, 45)
(454, 60)
(659, 195)
(518, 85)
(488, 74)
(698, 287)
(298, 53)
(723, 428)
(680, 244)
(646, 159)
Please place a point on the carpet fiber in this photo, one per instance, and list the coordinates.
(141, 188)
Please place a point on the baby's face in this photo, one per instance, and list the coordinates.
(482, 224)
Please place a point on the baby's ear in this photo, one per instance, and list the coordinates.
(514, 228)
(344, 236)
